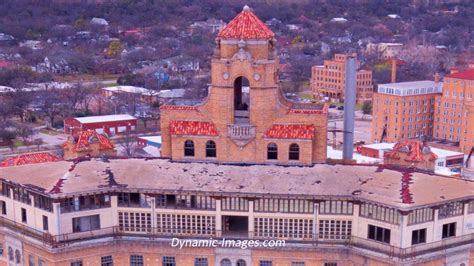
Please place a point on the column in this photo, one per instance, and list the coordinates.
(114, 209)
(251, 220)
(218, 218)
(315, 221)
(435, 226)
(57, 218)
(403, 227)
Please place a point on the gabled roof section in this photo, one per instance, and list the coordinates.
(300, 131)
(246, 25)
(198, 128)
(415, 149)
(86, 137)
(30, 158)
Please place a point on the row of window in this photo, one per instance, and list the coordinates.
(272, 150)
(283, 228)
(293, 152)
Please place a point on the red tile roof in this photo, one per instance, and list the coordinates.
(30, 158)
(84, 140)
(466, 74)
(300, 131)
(246, 25)
(415, 151)
(193, 128)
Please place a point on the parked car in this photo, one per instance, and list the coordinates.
(332, 106)
(340, 107)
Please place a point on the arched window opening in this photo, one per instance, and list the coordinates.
(294, 153)
(241, 263)
(188, 148)
(272, 151)
(211, 149)
(226, 262)
(241, 100)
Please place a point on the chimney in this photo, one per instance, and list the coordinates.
(394, 70)
(349, 108)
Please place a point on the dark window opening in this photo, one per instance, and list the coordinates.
(379, 234)
(235, 225)
(188, 148)
(272, 151)
(106, 261)
(45, 223)
(136, 260)
(169, 261)
(23, 215)
(200, 262)
(211, 149)
(129, 199)
(86, 223)
(294, 152)
(3, 206)
(449, 230)
(241, 94)
(418, 236)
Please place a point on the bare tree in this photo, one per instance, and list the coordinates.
(25, 132)
(128, 144)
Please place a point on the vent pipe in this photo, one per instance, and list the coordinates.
(394, 70)
(349, 108)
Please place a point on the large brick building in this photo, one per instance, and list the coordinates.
(328, 80)
(130, 211)
(454, 116)
(237, 124)
(404, 110)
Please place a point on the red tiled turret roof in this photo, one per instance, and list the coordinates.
(30, 158)
(193, 128)
(246, 25)
(415, 151)
(300, 131)
(83, 141)
(466, 74)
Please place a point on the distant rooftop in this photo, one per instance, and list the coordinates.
(104, 118)
(361, 182)
(466, 74)
(411, 88)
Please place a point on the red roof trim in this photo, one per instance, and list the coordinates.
(246, 25)
(300, 131)
(179, 107)
(83, 143)
(30, 158)
(198, 128)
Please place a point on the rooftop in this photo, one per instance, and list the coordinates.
(361, 182)
(246, 25)
(466, 74)
(104, 118)
(410, 88)
(30, 158)
(130, 89)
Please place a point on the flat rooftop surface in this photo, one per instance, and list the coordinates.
(104, 118)
(410, 84)
(373, 183)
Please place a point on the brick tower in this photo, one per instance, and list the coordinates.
(245, 118)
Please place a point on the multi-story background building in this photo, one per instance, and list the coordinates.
(404, 110)
(454, 117)
(328, 80)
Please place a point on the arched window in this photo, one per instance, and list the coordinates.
(10, 253)
(272, 151)
(188, 148)
(211, 149)
(294, 152)
(226, 262)
(241, 263)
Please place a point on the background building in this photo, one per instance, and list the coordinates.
(454, 117)
(110, 124)
(404, 110)
(328, 80)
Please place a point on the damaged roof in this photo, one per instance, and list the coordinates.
(401, 188)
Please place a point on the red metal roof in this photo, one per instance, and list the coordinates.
(30, 158)
(300, 131)
(193, 128)
(246, 25)
(466, 74)
(85, 137)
